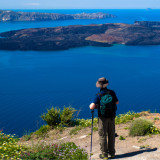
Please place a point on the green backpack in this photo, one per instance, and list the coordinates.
(107, 107)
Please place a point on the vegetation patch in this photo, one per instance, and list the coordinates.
(155, 130)
(75, 130)
(95, 129)
(9, 149)
(121, 138)
(144, 146)
(124, 118)
(68, 151)
(86, 122)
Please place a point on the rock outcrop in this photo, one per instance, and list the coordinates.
(37, 16)
(60, 38)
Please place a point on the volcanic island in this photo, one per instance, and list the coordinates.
(61, 38)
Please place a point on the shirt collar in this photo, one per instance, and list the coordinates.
(103, 89)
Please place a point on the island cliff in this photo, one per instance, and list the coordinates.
(60, 38)
(7, 15)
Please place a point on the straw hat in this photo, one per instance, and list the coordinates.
(102, 83)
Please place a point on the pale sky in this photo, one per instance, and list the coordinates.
(79, 4)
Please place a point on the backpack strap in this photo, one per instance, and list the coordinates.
(102, 94)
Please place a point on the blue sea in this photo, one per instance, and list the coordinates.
(33, 81)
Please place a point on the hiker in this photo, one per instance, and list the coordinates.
(105, 102)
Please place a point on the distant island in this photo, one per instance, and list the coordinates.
(61, 38)
(7, 15)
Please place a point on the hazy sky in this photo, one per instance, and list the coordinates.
(81, 4)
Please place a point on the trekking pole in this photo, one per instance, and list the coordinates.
(91, 134)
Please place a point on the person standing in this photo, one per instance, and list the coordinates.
(105, 101)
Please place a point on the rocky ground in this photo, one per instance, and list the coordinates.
(132, 148)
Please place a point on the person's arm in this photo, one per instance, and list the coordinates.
(95, 102)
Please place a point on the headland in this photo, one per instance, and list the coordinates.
(8, 15)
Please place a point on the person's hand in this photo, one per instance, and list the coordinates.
(92, 106)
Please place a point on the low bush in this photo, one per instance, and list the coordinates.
(140, 127)
(52, 117)
(66, 116)
(67, 151)
(56, 116)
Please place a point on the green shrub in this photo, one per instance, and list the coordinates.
(42, 131)
(56, 116)
(67, 115)
(52, 117)
(68, 151)
(140, 127)
(124, 118)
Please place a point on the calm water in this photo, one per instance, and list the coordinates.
(31, 82)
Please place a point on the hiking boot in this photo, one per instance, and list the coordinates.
(103, 156)
(112, 156)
